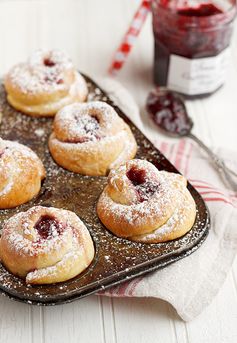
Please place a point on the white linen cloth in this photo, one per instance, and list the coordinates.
(199, 276)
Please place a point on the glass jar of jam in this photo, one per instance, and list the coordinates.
(192, 39)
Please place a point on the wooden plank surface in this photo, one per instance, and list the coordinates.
(90, 31)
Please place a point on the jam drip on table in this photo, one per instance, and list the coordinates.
(168, 112)
(48, 227)
(144, 188)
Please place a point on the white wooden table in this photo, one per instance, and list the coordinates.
(89, 30)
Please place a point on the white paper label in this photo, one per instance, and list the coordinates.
(198, 75)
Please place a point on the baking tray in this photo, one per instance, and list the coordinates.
(116, 259)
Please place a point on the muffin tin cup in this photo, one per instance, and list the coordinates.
(116, 260)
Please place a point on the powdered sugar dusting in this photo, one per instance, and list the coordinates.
(180, 218)
(16, 150)
(8, 186)
(93, 133)
(85, 121)
(39, 132)
(68, 262)
(35, 76)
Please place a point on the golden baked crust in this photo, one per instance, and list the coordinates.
(46, 245)
(21, 173)
(44, 84)
(90, 139)
(146, 205)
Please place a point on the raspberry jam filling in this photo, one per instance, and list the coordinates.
(203, 10)
(168, 112)
(144, 188)
(137, 176)
(49, 63)
(48, 227)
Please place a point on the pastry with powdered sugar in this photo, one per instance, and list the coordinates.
(91, 138)
(44, 84)
(146, 205)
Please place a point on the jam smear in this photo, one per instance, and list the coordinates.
(168, 112)
(48, 227)
(48, 62)
(144, 188)
(136, 175)
(203, 10)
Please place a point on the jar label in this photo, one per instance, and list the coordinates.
(199, 75)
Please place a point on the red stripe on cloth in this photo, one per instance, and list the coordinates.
(205, 187)
(180, 154)
(126, 288)
(134, 285)
(163, 147)
(189, 154)
(122, 288)
(113, 290)
(170, 152)
(200, 181)
(219, 200)
(218, 191)
(211, 185)
(224, 198)
(203, 184)
(214, 192)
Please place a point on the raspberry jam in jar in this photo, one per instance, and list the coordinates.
(192, 41)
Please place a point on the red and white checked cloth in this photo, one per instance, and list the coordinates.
(199, 276)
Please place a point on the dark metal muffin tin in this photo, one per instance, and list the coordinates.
(116, 260)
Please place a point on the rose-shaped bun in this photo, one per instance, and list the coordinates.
(91, 138)
(44, 84)
(146, 205)
(45, 245)
(21, 173)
